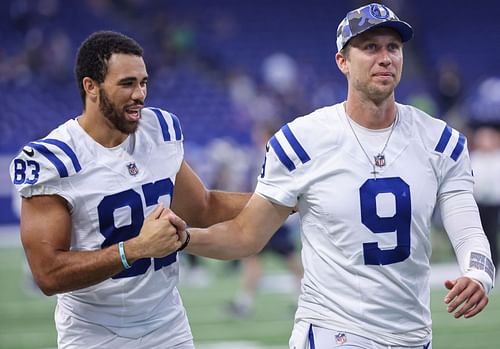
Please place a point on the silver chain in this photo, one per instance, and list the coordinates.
(381, 153)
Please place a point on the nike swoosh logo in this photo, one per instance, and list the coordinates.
(28, 151)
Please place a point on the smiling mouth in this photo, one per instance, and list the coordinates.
(133, 114)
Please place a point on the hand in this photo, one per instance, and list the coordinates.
(159, 235)
(176, 221)
(466, 294)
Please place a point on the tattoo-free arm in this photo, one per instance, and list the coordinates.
(46, 238)
(242, 236)
(200, 207)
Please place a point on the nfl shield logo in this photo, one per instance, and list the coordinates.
(340, 338)
(132, 169)
(380, 160)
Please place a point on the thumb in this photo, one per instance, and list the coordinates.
(177, 222)
(156, 212)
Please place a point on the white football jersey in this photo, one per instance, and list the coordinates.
(109, 192)
(366, 239)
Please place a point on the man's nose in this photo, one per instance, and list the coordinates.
(139, 93)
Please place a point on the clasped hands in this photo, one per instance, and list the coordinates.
(162, 233)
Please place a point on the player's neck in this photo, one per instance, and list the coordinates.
(97, 127)
(371, 115)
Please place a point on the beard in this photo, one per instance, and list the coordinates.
(115, 116)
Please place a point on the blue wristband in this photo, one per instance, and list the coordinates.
(122, 255)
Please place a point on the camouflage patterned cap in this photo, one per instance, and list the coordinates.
(368, 17)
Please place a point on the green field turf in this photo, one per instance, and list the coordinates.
(26, 320)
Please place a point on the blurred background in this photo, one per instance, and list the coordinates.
(234, 71)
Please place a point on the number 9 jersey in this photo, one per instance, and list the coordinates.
(365, 240)
(109, 192)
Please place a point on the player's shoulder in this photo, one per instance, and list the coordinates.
(306, 137)
(163, 125)
(49, 159)
(435, 134)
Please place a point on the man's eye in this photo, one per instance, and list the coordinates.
(393, 47)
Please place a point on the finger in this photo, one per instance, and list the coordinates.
(462, 295)
(178, 222)
(174, 219)
(469, 304)
(478, 308)
(156, 212)
(456, 289)
(449, 284)
(166, 212)
(471, 295)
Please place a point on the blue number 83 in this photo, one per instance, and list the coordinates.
(400, 223)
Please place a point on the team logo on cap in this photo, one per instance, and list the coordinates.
(379, 11)
(132, 169)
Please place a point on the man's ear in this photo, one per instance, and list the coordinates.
(341, 60)
(91, 88)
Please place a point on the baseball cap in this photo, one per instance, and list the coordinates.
(368, 17)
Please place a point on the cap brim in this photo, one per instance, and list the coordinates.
(403, 28)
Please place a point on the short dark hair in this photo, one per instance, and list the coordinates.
(345, 50)
(94, 53)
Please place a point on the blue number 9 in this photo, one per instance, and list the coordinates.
(399, 223)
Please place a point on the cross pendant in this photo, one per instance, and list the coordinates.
(374, 172)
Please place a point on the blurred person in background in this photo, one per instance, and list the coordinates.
(224, 164)
(485, 159)
(484, 121)
(366, 175)
(95, 220)
(283, 243)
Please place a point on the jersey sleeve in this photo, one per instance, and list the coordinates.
(462, 223)
(170, 126)
(281, 180)
(455, 167)
(41, 167)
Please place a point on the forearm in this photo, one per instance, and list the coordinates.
(462, 223)
(220, 206)
(226, 205)
(225, 240)
(66, 271)
(242, 236)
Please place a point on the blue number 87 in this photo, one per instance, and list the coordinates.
(132, 199)
(399, 223)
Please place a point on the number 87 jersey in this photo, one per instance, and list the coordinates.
(109, 192)
(365, 240)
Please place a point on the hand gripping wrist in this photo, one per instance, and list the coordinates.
(184, 245)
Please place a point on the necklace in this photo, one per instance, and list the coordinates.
(379, 159)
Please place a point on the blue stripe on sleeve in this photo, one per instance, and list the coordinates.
(297, 148)
(63, 172)
(177, 127)
(281, 154)
(458, 148)
(443, 141)
(163, 124)
(65, 148)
